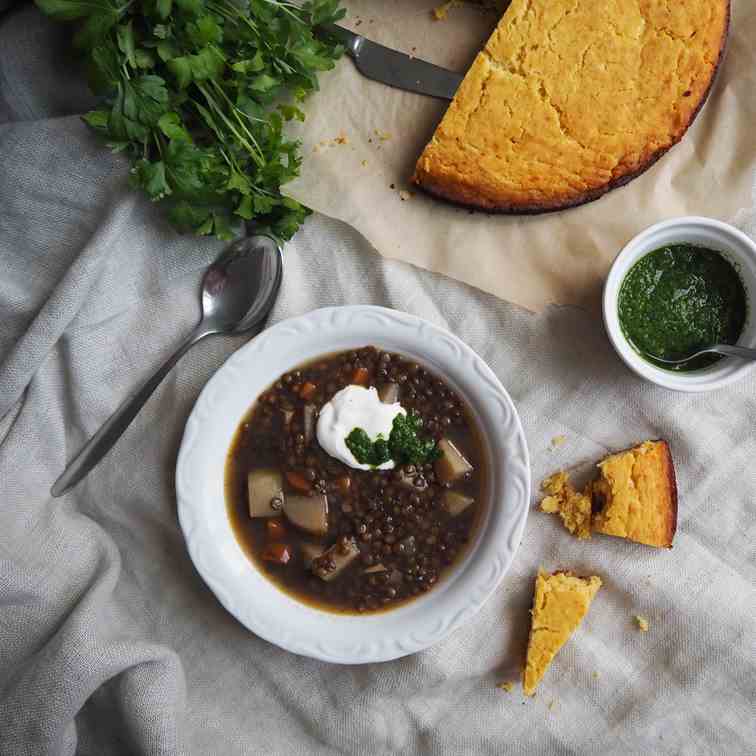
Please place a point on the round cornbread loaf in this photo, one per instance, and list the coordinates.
(572, 98)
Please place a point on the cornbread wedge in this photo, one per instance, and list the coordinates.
(635, 497)
(560, 602)
(571, 98)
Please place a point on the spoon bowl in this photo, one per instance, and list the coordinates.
(239, 288)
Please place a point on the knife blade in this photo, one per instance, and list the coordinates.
(395, 68)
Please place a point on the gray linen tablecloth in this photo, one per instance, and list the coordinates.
(109, 641)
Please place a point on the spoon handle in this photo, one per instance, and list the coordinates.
(731, 350)
(112, 429)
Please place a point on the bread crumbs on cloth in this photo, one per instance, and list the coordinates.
(642, 623)
(572, 506)
(440, 12)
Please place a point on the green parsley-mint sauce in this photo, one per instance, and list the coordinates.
(679, 299)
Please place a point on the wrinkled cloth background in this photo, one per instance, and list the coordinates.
(109, 641)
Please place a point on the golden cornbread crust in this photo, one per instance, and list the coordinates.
(636, 495)
(560, 601)
(567, 102)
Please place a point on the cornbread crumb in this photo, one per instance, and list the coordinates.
(552, 703)
(642, 623)
(558, 441)
(595, 675)
(364, 163)
(341, 139)
(505, 686)
(404, 195)
(384, 136)
(572, 506)
(440, 12)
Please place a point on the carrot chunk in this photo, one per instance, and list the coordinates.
(298, 481)
(360, 376)
(344, 484)
(276, 529)
(279, 553)
(307, 390)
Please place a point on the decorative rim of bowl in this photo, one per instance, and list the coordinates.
(699, 231)
(255, 601)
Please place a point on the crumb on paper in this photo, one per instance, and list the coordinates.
(404, 195)
(440, 12)
(558, 441)
(642, 623)
(551, 705)
(392, 186)
(505, 686)
(364, 163)
(595, 675)
(341, 139)
(383, 136)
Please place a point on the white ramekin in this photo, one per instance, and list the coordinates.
(702, 232)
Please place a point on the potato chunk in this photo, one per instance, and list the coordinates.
(451, 465)
(335, 560)
(455, 503)
(309, 513)
(265, 493)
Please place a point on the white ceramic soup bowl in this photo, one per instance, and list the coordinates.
(253, 599)
(702, 232)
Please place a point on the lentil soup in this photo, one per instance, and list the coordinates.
(346, 539)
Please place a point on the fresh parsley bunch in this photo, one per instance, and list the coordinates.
(196, 93)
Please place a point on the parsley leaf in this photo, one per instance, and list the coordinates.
(196, 93)
(404, 445)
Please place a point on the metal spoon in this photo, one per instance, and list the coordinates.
(238, 292)
(728, 350)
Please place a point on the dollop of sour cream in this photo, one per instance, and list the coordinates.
(355, 407)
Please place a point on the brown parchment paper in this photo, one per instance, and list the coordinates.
(361, 140)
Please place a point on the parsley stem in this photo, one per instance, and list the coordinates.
(235, 112)
(254, 151)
